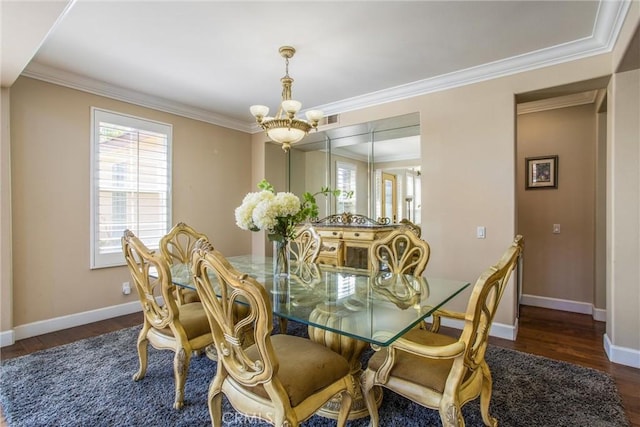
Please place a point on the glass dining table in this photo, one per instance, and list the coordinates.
(345, 309)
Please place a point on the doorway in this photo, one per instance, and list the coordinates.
(389, 196)
(564, 225)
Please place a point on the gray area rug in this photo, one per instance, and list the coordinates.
(88, 383)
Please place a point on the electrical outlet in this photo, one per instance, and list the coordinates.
(481, 232)
(126, 288)
(556, 228)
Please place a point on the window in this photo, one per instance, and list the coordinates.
(131, 183)
(346, 181)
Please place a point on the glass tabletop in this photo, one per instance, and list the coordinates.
(376, 308)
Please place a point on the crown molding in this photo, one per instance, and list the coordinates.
(609, 20)
(56, 76)
(558, 102)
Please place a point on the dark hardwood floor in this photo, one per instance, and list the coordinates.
(570, 337)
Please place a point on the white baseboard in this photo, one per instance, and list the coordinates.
(498, 330)
(58, 323)
(7, 338)
(598, 314)
(622, 355)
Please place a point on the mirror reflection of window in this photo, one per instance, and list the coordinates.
(346, 174)
(417, 199)
(412, 198)
(388, 145)
(346, 286)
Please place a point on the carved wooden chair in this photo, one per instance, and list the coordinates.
(180, 328)
(282, 379)
(439, 371)
(400, 252)
(176, 247)
(304, 250)
(306, 246)
(411, 226)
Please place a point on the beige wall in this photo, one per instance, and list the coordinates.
(623, 211)
(6, 290)
(50, 149)
(561, 265)
(276, 173)
(600, 253)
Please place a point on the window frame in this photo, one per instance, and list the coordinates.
(98, 115)
(352, 201)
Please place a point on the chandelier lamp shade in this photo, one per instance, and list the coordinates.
(285, 128)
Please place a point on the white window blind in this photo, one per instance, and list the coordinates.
(131, 183)
(346, 181)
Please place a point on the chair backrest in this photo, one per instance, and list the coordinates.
(228, 327)
(411, 226)
(306, 246)
(401, 252)
(139, 260)
(483, 303)
(176, 246)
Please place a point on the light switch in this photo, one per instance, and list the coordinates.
(480, 232)
(556, 228)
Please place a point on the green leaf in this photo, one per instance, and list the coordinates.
(265, 185)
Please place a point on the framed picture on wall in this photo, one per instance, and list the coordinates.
(542, 172)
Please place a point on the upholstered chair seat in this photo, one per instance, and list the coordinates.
(319, 366)
(193, 320)
(410, 369)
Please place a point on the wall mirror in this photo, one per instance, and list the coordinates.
(378, 161)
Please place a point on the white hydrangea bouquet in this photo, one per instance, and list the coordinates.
(277, 213)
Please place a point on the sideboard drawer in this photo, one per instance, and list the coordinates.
(330, 248)
(359, 235)
(330, 261)
(331, 252)
(331, 234)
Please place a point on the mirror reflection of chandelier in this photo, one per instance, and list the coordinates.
(285, 128)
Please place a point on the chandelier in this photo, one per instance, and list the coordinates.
(285, 128)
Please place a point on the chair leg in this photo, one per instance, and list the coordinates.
(369, 397)
(283, 324)
(485, 397)
(345, 408)
(215, 409)
(180, 369)
(450, 414)
(142, 354)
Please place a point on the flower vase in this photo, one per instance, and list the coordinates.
(281, 258)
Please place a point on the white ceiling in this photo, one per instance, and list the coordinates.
(211, 60)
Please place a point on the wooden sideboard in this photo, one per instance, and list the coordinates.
(346, 239)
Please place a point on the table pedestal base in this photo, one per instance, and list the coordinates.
(331, 409)
(351, 349)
